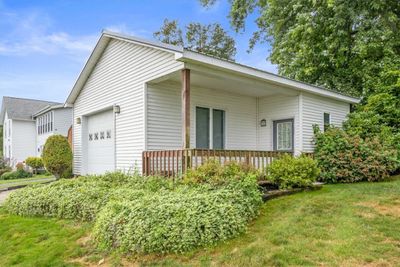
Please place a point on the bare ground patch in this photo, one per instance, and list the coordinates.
(392, 209)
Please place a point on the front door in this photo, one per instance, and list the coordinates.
(284, 135)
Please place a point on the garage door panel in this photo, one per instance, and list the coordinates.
(101, 143)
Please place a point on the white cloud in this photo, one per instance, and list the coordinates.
(24, 34)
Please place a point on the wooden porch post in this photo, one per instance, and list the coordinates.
(186, 108)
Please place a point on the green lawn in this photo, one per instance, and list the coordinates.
(340, 225)
(33, 180)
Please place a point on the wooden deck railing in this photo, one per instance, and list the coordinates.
(172, 163)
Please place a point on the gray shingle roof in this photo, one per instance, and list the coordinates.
(21, 108)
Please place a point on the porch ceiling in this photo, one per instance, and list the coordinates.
(227, 82)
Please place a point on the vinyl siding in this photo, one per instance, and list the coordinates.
(278, 107)
(164, 116)
(313, 113)
(23, 140)
(7, 137)
(62, 120)
(119, 79)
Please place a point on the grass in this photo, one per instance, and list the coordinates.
(32, 180)
(340, 225)
(39, 241)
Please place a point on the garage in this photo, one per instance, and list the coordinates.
(100, 143)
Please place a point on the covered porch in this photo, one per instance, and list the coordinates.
(197, 114)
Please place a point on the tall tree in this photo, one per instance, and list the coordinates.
(209, 39)
(340, 44)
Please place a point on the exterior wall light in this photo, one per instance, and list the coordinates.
(116, 109)
(263, 123)
(78, 120)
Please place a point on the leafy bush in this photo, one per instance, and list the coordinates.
(350, 158)
(214, 173)
(179, 220)
(35, 163)
(57, 155)
(293, 172)
(18, 174)
(145, 214)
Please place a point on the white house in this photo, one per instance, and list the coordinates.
(136, 95)
(27, 123)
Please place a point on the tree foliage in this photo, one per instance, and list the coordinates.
(340, 44)
(57, 156)
(210, 39)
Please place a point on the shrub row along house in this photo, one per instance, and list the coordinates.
(135, 95)
(27, 123)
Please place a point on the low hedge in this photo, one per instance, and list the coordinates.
(146, 214)
(293, 172)
(18, 174)
(175, 221)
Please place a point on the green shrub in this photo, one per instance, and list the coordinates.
(18, 174)
(179, 220)
(145, 214)
(57, 155)
(350, 158)
(214, 173)
(4, 170)
(293, 172)
(35, 163)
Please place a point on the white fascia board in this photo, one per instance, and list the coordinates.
(46, 109)
(197, 58)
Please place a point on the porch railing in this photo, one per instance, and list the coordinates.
(172, 163)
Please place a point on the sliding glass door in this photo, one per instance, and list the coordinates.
(207, 125)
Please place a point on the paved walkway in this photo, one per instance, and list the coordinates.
(3, 196)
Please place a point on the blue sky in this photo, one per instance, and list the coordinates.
(44, 44)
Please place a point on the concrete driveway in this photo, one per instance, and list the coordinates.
(3, 196)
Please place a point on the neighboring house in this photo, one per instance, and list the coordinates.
(27, 123)
(135, 95)
(54, 119)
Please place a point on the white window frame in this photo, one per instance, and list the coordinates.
(211, 125)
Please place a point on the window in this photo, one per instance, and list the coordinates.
(283, 135)
(327, 121)
(218, 129)
(45, 123)
(202, 127)
(205, 122)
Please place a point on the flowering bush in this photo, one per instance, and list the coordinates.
(350, 158)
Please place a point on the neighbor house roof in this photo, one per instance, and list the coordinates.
(188, 56)
(21, 108)
(47, 109)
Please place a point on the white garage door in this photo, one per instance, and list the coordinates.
(100, 136)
